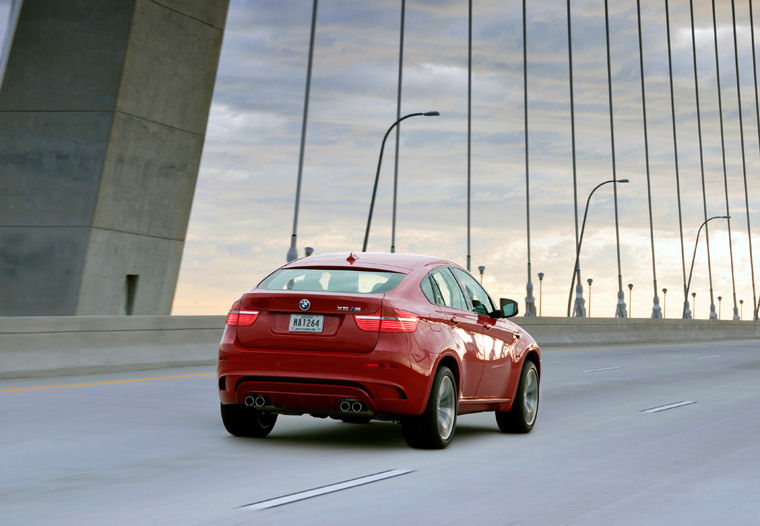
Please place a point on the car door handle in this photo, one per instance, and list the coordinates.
(516, 335)
(454, 320)
(486, 326)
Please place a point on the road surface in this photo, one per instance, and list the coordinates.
(148, 447)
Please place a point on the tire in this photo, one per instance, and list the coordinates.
(434, 428)
(356, 419)
(242, 421)
(522, 417)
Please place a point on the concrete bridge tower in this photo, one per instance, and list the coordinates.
(103, 111)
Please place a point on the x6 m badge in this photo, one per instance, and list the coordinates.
(343, 308)
(304, 304)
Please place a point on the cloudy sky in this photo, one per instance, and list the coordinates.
(242, 214)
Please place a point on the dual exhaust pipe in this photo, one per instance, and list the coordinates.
(347, 405)
(352, 406)
(252, 400)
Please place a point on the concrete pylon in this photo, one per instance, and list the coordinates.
(620, 310)
(530, 301)
(579, 307)
(103, 111)
(656, 310)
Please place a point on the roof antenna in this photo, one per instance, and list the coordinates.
(351, 258)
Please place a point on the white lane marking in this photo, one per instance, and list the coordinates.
(601, 369)
(669, 406)
(316, 492)
(709, 357)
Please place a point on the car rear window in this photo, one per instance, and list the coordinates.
(332, 280)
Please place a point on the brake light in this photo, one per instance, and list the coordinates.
(242, 317)
(389, 320)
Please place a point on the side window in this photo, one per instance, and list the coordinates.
(427, 289)
(446, 290)
(481, 303)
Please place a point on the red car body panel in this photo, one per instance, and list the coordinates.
(390, 372)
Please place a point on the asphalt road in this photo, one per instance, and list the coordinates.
(154, 451)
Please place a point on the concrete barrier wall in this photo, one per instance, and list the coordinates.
(553, 332)
(46, 346)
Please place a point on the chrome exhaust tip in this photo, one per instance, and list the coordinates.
(345, 406)
(357, 407)
(260, 401)
(249, 400)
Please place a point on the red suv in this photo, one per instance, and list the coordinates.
(365, 336)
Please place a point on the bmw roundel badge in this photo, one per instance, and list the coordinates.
(304, 304)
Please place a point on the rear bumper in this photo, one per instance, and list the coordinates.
(388, 382)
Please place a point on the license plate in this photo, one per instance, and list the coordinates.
(306, 322)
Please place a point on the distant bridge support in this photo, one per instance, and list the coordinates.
(103, 111)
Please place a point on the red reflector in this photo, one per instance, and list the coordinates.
(391, 320)
(242, 317)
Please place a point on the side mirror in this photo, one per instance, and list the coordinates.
(508, 307)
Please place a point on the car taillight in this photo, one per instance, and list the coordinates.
(242, 317)
(389, 320)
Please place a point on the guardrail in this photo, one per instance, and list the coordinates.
(47, 346)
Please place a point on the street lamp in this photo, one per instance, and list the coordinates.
(540, 292)
(630, 303)
(308, 251)
(686, 311)
(694, 299)
(589, 281)
(481, 269)
(665, 303)
(578, 309)
(719, 298)
(380, 161)
(741, 307)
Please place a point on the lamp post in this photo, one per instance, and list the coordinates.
(686, 311)
(719, 299)
(308, 251)
(665, 302)
(630, 302)
(540, 292)
(481, 269)
(589, 281)
(741, 307)
(379, 163)
(694, 299)
(578, 310)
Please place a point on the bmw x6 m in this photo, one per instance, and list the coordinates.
(407, 338)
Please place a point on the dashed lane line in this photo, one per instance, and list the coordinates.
(601, 369)
(669, 406)
(323, 490)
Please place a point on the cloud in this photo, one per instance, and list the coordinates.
(242, 216)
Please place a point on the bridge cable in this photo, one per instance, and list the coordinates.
(620, 311)
(756, 306)
(530, 307)
(656, 306)
(687, 313)
(398, 128)
(725, 176)
(675, 144)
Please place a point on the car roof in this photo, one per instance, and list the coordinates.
(369, 260)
